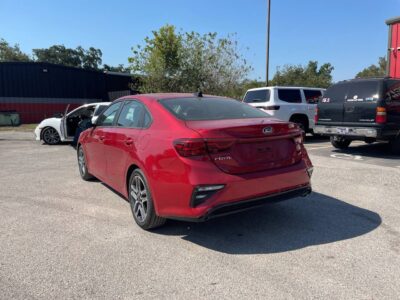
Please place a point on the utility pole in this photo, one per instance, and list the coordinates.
(267, 52)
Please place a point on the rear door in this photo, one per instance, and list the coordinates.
(290, 102)
(361, 102)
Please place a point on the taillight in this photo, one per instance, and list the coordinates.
(198, 147)
(298, 140)
(381, 116)
(316, 115)
(190, 147)
(271, 107)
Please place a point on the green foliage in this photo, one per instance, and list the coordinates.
(79, 57)
(120, 68)
(374, 70)
(172, 61)
(12, 53)
(309, 75)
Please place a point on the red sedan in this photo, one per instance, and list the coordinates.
(193, 157)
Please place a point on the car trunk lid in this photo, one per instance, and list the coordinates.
(250, 145)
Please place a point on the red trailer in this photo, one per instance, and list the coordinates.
(393, 68)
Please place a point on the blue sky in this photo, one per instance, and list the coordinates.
(349, 34)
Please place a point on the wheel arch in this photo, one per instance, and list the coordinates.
(300, 116)
(131, 168)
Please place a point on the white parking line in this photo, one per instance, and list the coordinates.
(322, 147)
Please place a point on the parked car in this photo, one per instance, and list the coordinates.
(361, 109)
(63, 128)
(190, 157)
(294, 104)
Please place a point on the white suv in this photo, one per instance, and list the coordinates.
(295, 104)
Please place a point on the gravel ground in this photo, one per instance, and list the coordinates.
(61, 237)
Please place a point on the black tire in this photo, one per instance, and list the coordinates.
(301, 122)
(50, 136)
(340, 142)
(82, 165)
(141, 201)
(395, 146)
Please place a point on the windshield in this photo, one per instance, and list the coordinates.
(208, 108)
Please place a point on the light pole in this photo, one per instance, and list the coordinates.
(267, 52)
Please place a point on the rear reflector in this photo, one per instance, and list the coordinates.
(381, 116)
(203, 192)
(316, 115)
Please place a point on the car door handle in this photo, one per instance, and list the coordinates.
(128, 142)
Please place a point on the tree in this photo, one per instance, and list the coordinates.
(11, 53)
(308, 75)
(374, 70)
(120, 68)
(79, 57)
(172, 61)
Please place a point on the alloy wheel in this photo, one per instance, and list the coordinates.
(50, 136)
(138, 193)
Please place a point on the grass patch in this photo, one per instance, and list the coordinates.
(23, 127)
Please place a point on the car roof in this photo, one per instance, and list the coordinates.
(162, 96)
(285, 87)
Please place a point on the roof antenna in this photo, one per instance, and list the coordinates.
(199, 94)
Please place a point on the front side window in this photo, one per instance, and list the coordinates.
(133, 115)
(108, 116)
(209, 108)
(289, 95)
(257, 96)
(312, 96)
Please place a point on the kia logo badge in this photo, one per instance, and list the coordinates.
(267, 130)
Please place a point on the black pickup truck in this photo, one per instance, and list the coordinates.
(361, 109)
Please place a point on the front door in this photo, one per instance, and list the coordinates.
(95, 147)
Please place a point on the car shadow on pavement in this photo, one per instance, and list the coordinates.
(315, 139)
(375, 150)
(286, 226)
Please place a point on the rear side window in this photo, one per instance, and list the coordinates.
(198, 109)
(289, 95)
(312, 96)
(257, 96)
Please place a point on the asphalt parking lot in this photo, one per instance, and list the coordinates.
(61, 237)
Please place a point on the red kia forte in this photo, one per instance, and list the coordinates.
(193, 157)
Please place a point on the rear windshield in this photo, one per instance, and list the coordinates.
(257, 96)
(208, 108)
(361, 91)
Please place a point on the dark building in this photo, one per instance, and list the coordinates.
(39, 90)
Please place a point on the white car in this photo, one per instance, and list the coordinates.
(294, 104)
(55, 130)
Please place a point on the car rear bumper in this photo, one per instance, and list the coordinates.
(246, 189)
(367, 132)
(243, 205)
